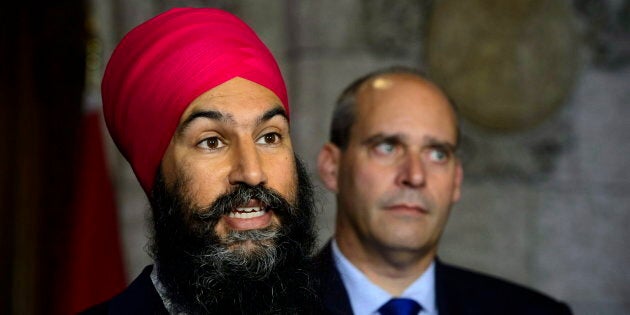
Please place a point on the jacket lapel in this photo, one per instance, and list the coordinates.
(330, 288)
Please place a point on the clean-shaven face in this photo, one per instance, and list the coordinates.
(398, 177)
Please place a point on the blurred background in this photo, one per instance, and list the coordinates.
(543, 87)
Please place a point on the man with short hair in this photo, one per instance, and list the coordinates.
(392, 163)
(197, 104)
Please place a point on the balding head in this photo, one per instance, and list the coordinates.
(345, 112)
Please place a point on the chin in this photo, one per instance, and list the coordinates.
(249, 246)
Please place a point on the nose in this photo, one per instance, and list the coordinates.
(412, 173)
(247, 167)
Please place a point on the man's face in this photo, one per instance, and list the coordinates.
(233, 208)
(398, 178)
(236, 133)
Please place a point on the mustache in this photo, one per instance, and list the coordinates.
(407, 196)
(203, 271)
(241, 195)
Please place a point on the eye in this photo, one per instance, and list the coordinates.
(211, 143)
(439, 155)
(270, 138)
(385, 148)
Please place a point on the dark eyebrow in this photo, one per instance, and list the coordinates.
(436, 143)
(278, 110)
(381, 137)
(227, 118)
(208, 114)
(399, 138)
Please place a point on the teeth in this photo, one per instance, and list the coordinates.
(245, 215)
(247, 212)
(248, 209)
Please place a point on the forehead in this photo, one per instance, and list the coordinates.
(237, 98)
(404, 104)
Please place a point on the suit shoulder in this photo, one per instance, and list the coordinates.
(140, 297)
(500, 292)
(99, 309)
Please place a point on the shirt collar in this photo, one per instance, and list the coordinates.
(366, 297)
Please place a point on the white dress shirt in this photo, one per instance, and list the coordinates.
(366, 297)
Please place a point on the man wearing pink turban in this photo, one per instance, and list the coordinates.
(196, 103)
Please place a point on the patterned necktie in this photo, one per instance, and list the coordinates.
(400, 306)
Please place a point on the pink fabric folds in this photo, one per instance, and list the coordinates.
(162, 65)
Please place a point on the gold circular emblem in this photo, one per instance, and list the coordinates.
(508, 65)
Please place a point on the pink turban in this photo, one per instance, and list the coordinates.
(162, 65)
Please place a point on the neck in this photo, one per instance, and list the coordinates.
(391, 269)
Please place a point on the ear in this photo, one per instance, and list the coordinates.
(328, 165)
(459, 179)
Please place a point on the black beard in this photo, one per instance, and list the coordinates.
(203, 273)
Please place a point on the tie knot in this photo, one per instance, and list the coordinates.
(400, 306)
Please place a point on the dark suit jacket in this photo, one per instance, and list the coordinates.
(140, 297)
(458, 292)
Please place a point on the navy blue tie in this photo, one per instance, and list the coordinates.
(400, 306)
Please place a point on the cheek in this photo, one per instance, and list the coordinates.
(443, 191)
(361, 184)
(282, 175)
(169, 165)
(205, 182)
(373, 179)
(203, 190)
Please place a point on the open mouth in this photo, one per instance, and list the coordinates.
(247, 212)
(251, 215)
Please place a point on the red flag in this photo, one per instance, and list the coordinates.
(95, 269)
